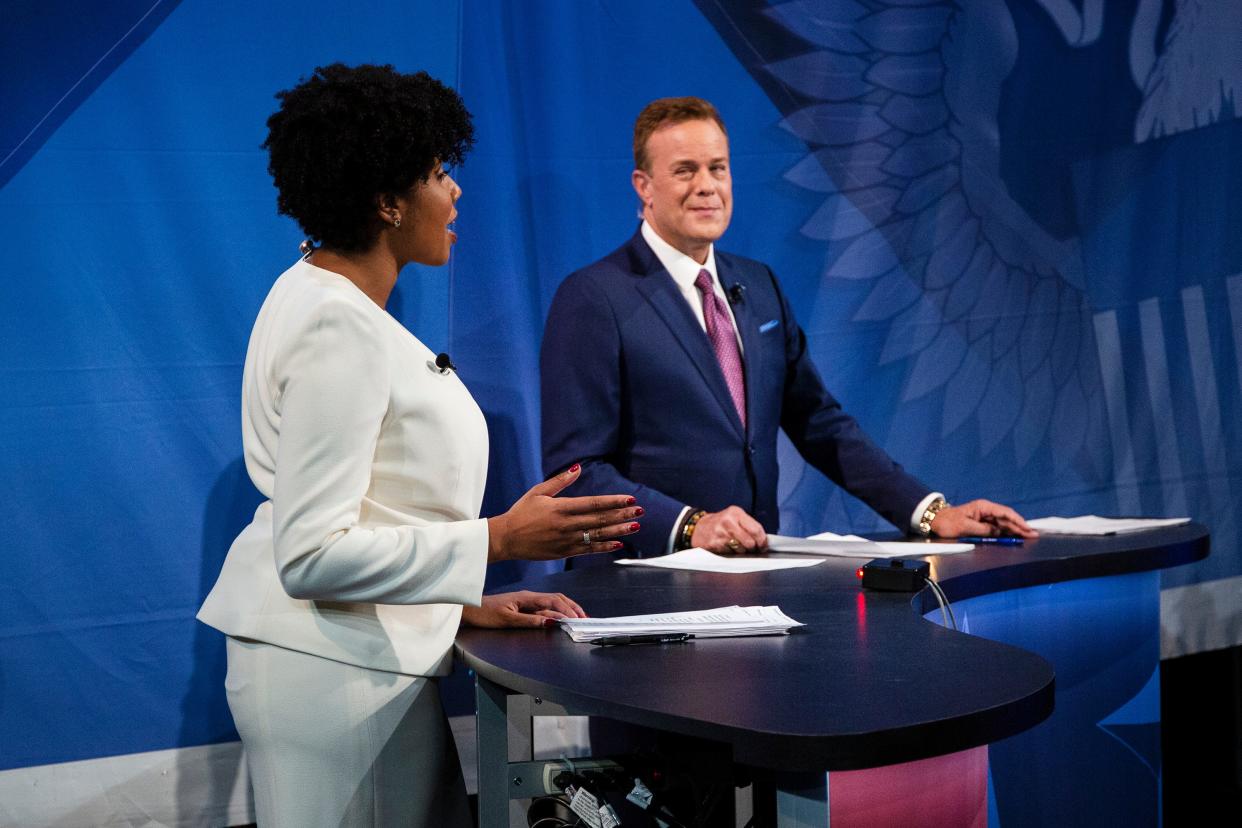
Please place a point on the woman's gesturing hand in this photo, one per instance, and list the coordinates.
(521, 609)
(542, 526)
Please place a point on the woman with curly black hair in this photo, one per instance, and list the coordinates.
(342, 597)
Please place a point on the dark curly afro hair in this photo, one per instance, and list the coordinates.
(347, 135)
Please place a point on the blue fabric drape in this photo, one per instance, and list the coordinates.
(1012, 244)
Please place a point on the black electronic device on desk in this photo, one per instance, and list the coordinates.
(894, 575)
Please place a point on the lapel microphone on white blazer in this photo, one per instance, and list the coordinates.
(441, 365)
(444, 364)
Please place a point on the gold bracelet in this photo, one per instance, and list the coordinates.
(929, 515)
(687, 529)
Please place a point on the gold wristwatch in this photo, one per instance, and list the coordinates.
(929, 514)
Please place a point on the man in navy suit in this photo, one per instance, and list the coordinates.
(668, 367)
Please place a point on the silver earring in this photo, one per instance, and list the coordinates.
(396, 222)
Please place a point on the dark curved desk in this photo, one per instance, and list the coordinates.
(867, 682)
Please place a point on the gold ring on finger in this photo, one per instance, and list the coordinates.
(734, 545)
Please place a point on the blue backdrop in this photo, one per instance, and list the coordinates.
(1009, 229)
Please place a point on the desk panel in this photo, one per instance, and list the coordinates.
(869, 682)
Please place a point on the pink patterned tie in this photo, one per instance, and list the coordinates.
(724, 342)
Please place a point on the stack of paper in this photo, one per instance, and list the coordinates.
(1096, 525)
(700, 560)
(852, 546)
(712, 623)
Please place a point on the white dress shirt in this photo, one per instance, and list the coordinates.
(685, 271)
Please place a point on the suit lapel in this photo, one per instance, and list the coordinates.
(658, 287)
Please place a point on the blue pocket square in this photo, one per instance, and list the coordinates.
(769, 325)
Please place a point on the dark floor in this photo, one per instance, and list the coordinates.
(1201, 737)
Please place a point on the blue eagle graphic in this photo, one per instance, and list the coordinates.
(897, 102)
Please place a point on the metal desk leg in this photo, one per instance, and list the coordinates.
(508, 776)
(493, 758)
(801, 800)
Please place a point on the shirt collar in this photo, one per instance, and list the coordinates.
(681, 267)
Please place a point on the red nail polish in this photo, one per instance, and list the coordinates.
(574, 468)
(549, 622)
(640, 511)
(634, 527)
(617, 545)
(629, 501)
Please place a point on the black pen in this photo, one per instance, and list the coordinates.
(651, 638)
(1003, 541)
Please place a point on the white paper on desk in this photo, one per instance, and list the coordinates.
(833, 536)
(897, 548)
(700, 560)
(1096, 525)
(711, 623)
(852, 546)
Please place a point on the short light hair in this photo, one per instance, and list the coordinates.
(666, 112)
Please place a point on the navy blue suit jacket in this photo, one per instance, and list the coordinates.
(632, 390)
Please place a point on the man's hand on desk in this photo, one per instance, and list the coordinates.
(730, 532)
(981, 518)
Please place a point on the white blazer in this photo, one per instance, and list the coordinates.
(373, 463)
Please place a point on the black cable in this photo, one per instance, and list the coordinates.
(550, 822)
(708, 805)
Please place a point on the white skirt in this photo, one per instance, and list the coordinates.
(332, 744)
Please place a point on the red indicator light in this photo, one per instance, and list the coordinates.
(859, 572)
